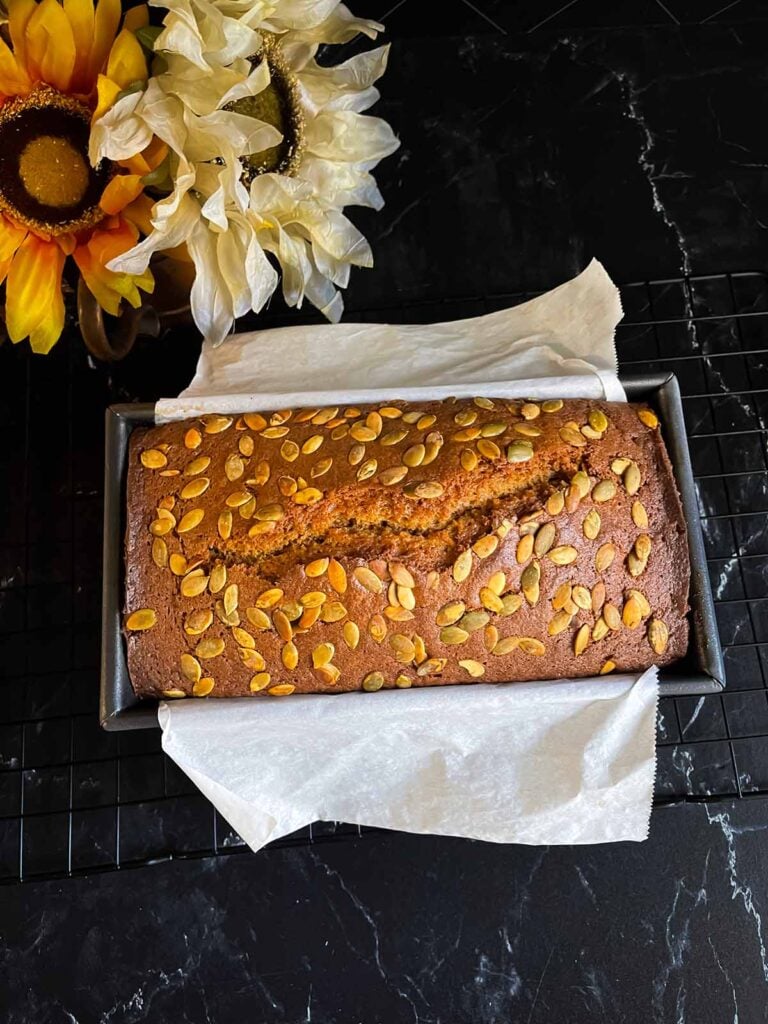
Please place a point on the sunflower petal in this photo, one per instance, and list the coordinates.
(108, 287)
(14, 80)
(51, 45)
(136, 17)
(11, 237)
(126, 63)
(106, 94)
(105, 23)
(19, 13)
(120, 191)
(34, 305)
(148, 159)
(80, 15)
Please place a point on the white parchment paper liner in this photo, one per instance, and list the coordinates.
(570, 761)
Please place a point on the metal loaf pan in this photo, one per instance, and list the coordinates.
(700, 672)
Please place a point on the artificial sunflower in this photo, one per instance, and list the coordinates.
(267, 148)
(61, 64)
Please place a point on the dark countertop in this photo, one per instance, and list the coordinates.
(627, 131)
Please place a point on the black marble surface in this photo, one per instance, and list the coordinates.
(534, 136)
(392, 928)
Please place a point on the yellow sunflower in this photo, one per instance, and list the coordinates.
(61, 66)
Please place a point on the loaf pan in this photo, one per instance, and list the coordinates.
(700, 672)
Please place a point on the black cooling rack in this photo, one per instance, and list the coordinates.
(74, 799)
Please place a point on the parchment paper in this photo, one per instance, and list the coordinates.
(570, 761)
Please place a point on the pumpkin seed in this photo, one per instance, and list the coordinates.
(560, 622)
(488, 449)
(635, 565)
(198, 621)
(619, 465)
(497, 582)
(604, 491)
(563, 555)
(193, 585)
(591, 433)
(174, 693)
(231, 598)
(465, 418)
(612, 616)
(490, 637)
(581, 640)
(491, 600)
(211, 647)
(529, 583)
(216, 424)
(289, 451)
(152, 458)
(519, 451)
(360, 432)
(333, 611)
(242, 637)
(632, 478)
(598, 596)
(307, 496)
(545, 538)
(193, 438)
(259, 682)
(552, 405)
(281, 690)
(643, 546)
(143, 618)
(526, 430)
(462, 566)
(237, 498)
(282, 624)
(600, 630)
(351, 634)
(604, 557)
(598, 420)
(218, 578)
(591, 524)
(159, 552)
(404, 648)
(271, 513)
(450, 613)
(421, 649)
(259, 529)
(261, 475)
(572, 498)
(402, 682)
(572, 437)
(562, 596)
(512, 603)
(337, 576)
(255, 421)
(425, 489)
(474, 668)
(397, 613)
(530, 410)
(607, 666)
(468, 460)
(484, 403)
(632, 614)
(473, 621)
(367, 470)
(642, 600)
(658, 635)
(639, 515)
(373, 682)
(484, 547)
(650, 419)
(531, 645)
(258, 618)
(203, 687)
(290, 656)
(292, 610)
(190, 668)
(582, 598)
(524, 549)
(555, 503)
(506, 646)
(316, 568)
(453, 635)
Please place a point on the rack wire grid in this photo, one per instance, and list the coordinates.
(75, 799)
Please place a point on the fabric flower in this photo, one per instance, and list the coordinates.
(62, 64)
(279, 189)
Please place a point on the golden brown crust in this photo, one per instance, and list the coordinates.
(338, 549)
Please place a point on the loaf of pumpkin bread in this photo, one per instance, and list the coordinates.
(322, 550)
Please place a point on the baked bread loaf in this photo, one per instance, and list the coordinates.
(322, 550)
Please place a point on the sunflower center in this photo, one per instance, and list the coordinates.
(53, 171)
(278, 105)
(46, 181)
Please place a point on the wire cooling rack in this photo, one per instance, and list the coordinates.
(74, 799)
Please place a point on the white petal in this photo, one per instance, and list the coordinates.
(345, 135)
(120, 133)
(347, 86)
(175, 229)
(210, 299)
(261, 276)
(340, 183)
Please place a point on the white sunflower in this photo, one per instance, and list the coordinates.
(266, 151)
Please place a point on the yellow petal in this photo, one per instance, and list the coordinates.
(108, 287)
(139, 213)
(137, 17)
(126, 62)
(105, 26)
(51, 45)
(107, 92)
(14, 80)
(33, 302)
(149, 158)
(80, 15)
(11, 237)
(19, 13)
(120, 191)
